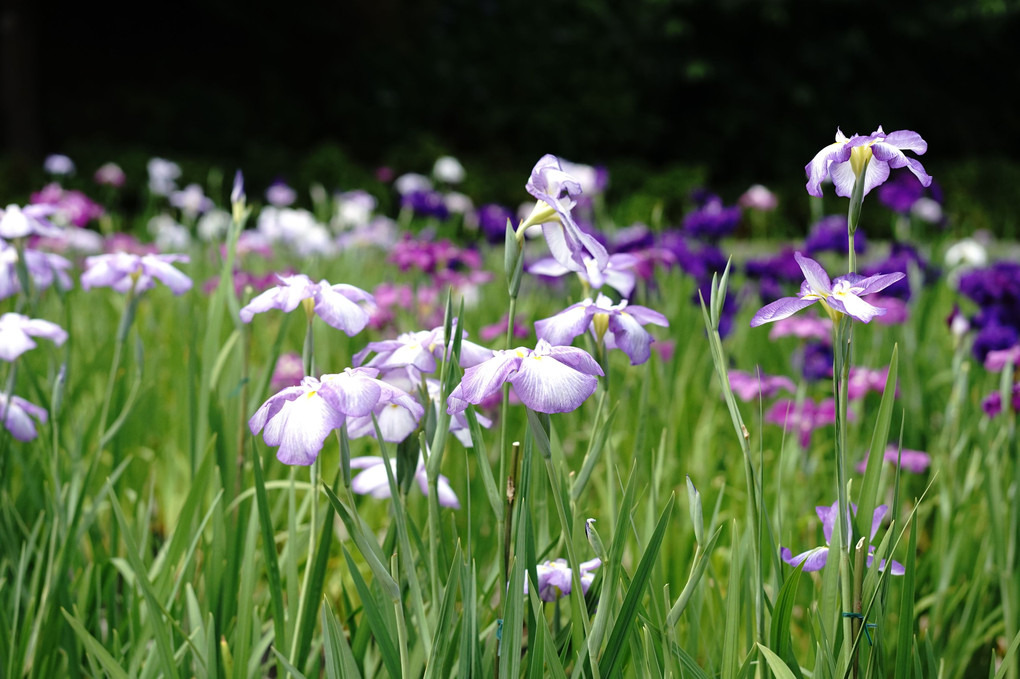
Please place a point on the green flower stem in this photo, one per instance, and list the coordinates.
(126, 320)
(313, 523)
(308, 350)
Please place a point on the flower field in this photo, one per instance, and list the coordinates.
(257, 431)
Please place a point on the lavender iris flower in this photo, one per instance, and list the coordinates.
(18, 222)
(547, 379)
(916, 461)
(619, 322)
(45, 269)
(191, 201)
(841, 296)
(555, 579)
(620, 272)
(17, 331)
(419, 350)
(814, 559)
(844, 160)
(298, 419)
(18, 414)
(338, 305)
(124, 271)
(557, 192)
(375, 482)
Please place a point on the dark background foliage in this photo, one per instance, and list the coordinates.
(747, 89)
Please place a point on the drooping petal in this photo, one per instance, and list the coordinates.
(897, 567)
(300, 428)
(273, 405)
(353, 392)
(780, 309)
(813, 559)
(160, 267)
(818, 169)
(373, 480)
(13, 342)
(875, 175)
(484, 379)
(874, 283)
(631, 337)
(852, 305)
(336, 308)
(567, 324)
(576, 358)
(907, 140)
(548, 386)
(895, 158)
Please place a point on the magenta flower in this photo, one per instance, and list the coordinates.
(844, 160)
(18, 414)
(374, 481)
(997, 359)
(547, 379)
(747, 387)
(298, 419)
(555, 579)
(619, 324)
(556, 192)
(841, 296)
(17, 331)
(289, 371)
(338, 305)
(915, 461)
(803, 419)
(814, 559)
(123, 271)
(862, 380)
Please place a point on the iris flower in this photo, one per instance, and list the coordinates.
(374, 481)
(556, 191)
(124, 271)
(18, 414)
(298, 419)
(620, 324)
(547, 379)
(555, 579)
(814, 559)
(17, 330)
(338, 305)
(841, 296)
(419, 350)
(874, 155)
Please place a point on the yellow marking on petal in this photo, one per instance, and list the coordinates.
(600, 322)
(312, 393)
(859, 157)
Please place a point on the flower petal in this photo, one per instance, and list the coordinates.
(485, 378)
(567, 324)
(814, 274)
(548, 386)
(780, 309)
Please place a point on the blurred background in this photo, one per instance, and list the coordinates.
(722, 92)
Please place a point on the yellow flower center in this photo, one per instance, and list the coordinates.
(859, 157)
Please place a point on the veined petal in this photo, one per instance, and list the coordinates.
(351, 392)
(814, 274)
(896, 158)
(485, 378)
(567, 324)
(852, 305)
(300, 428)
(814, 559)
(819, 166)
(573, 357)
(338, 311)
(875, 174)
(646, 316)
(159, 266)
(373, 480)
(877, 282)
(548, 386)
(907, 140)
(273, 405)
(780, 309)
(630, 337)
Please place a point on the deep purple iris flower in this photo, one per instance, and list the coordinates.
(830, 234)
(124, 271)
(547, 379)
(992, 404)
(555, 579)
(298, 419)
(338, 305)
(621, 325)
(814, 559)
(841, 296)
(18, 414)
(17, 331)
(568, 244)
(711, 220)
(844, 160)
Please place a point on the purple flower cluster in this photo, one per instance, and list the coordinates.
(711, 220)
(804, 418)
(815, 559)
(69, 206)
(903, 190)
(996, 291)
(830, 234)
